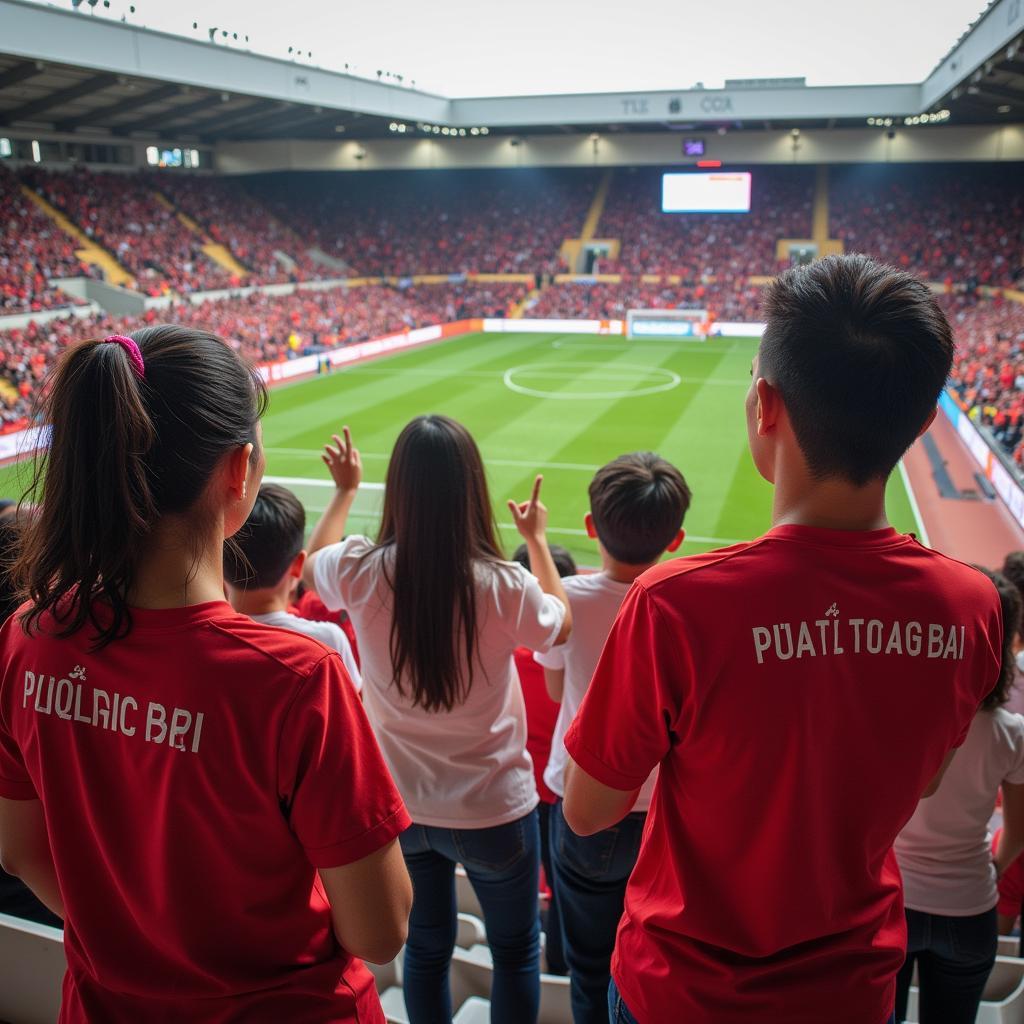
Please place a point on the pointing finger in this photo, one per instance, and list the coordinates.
(536, 489)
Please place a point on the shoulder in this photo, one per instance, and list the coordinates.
(707, 567)
(1007, 724)
(288, 650)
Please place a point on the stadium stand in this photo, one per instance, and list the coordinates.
(933, 220)
(400, 223)
(122, 214)
(702, 246)
(33, 253)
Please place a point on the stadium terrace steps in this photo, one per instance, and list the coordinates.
(596, 207)
(517, 311)
(89, 252)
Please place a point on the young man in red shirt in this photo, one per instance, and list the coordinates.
(799, 693)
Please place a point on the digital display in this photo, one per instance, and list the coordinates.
(693, 147)
(710, 192)
(664, 329)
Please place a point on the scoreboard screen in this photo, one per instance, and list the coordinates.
(706, 192)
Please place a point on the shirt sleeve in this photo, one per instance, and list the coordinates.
(15, 783)
(1015, 772)
(624, 726)
(553, 658)
(348, 659)
(336, 790)
(538, 617)
(333, 567)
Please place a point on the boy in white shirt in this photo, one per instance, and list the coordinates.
(637, 505)
(264, 565)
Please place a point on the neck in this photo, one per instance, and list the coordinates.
(832, 504)
(180, 568)
(620, 572)
(259, 602)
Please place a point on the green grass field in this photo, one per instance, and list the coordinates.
(561, 405)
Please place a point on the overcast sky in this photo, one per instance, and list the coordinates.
(510, 47)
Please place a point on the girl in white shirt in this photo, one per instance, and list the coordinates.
(438, 614)
(944, 853)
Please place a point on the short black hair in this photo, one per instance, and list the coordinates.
(860, 353)
(1012, 607)
(268, 542)
(564, 562)
(638, 502)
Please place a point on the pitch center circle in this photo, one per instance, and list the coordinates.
(615, 372)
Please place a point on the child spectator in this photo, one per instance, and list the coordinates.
(184, 772)
(637, 506)
(798, 693)
(541, 715)
(439, 615)
(945, 853)
(263, 565)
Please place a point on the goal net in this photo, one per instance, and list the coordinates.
(671, 324)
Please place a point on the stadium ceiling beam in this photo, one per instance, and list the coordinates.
(284, 122)
(163, 92)
(12, 76)
(61, 96)
(171, 116)
(258, 108)
(997, 93)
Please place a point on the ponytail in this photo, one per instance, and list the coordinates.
(127, 446)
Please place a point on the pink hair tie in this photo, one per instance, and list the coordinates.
(138, 364)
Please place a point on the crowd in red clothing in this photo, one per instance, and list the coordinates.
(989, 371)
(464, 300)
(419, 222)
(940, 222)
(735, 300)
(264, 244)
(121, 213)
(33, 253)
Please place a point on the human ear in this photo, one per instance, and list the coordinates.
(588, 522)
(677, 540)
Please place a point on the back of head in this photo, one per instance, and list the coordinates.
(860, 353)
(268, 543)
(1013, 570)
(437, 518)
(129, 445)
(1012, 606)
(638, 502)
(564, 562)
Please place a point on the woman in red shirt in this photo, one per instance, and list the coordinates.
(199, 796)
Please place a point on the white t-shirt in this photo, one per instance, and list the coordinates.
(328, 633)
(468, 767)
(594, 600)
(945, 850)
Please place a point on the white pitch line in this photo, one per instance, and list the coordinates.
(577, 532)
(581, 467)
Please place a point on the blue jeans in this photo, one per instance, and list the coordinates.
(553, 925)
(954, 957)
(503, 865)
(591, 873)
(618, 1011)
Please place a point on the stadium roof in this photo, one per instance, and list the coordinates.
(64, 71)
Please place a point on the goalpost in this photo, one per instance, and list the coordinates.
(671, 324)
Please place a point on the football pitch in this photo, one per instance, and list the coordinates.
(561, 405)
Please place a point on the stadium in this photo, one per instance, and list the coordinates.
(673, 341)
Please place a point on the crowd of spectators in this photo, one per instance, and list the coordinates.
(264, 244)
(709, 245)
(400, 223)
(33, 254)
(988, 374)
(121, 213)
(940, 222)
(463, 300)
(731, 300)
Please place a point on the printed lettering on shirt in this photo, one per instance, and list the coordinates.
(72, 698)
(834, 635)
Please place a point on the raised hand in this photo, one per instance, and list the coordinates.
(531, 517)
(343, 462)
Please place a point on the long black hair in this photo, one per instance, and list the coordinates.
(1012, 608)
(126, 449)
(437, 518)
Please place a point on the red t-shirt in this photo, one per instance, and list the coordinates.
(541, 715)
(309, 606)
(194, 775)
(798, 693)
(1011, 884)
